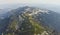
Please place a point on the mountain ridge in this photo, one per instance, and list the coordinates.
(24, 14)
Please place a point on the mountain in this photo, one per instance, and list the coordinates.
(30, 21)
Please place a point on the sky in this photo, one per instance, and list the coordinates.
(30, 1)
(35, 2)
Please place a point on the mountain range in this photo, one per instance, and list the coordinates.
(29, 21)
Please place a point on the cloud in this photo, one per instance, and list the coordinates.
(30, 1)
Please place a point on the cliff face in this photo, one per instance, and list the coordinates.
(25, 21)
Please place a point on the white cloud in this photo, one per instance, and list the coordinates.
(30, 1)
